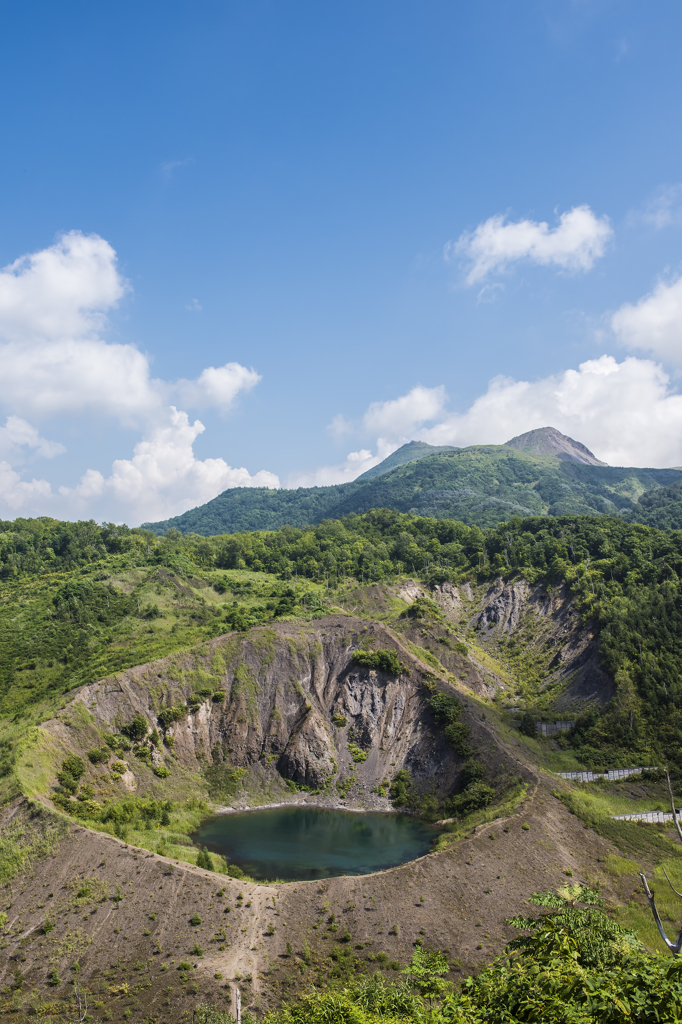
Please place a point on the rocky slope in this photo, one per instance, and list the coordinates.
(283, 703)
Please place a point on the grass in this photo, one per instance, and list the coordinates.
(502, 809)
(63, 629)
(607, 798)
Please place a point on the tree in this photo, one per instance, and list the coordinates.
(426, 973)
(204, 860)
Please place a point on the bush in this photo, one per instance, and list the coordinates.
(170, 715)
(74, 766)
(195, 919)
(137, 729)
(161, 771)
(383, 660)
(204, 860)
(401, 786)
(456, 734)
(234, 871)
(98, 756)
(197, 950)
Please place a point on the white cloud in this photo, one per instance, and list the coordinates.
(164, 477)
(16, 493)
(626, 413)
(52, 305)
(216, 387)
(654, 323)
(18, 434)
(578, 240)
(400, 417)
(60, 292)
(397, 420)
(353, 466)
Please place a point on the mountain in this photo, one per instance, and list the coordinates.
(413, 451)
(481, 485)
(550, 441)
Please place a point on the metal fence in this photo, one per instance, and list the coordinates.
(658, 817)
(610, 776)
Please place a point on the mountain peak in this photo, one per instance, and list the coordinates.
(413, 451)
(550, 441)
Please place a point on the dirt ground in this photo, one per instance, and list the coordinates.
(125, 915)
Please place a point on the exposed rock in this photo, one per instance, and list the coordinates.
(550, 441)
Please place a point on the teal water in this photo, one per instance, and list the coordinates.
(302, 843)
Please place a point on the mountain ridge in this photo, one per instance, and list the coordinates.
(480, 485)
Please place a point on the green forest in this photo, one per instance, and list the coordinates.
(80, 600)
(482, 485)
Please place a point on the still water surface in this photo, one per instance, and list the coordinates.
(299, 843)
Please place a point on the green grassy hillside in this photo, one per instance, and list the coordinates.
(78, 602)
(481, 485)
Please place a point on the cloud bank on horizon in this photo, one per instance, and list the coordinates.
(53, 313)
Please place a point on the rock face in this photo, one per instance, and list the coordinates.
(284, 703)
(546, 628)
(550, 441)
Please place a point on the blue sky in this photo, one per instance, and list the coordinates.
(358, 214)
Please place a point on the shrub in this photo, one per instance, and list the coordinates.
(197, 950)
(234, 871)
(73, 768)
(527, 725)
(161, 771)
(120, 767)
(383, 660)
(401, 786)
(184, 966)
(137, 729)
(53, 978)
(170, 715)
(195, 919)
(339, 721)
(98, 755)
(204, 860)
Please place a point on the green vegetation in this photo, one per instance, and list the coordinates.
(385, 661)
(573, 965)
(482, 485)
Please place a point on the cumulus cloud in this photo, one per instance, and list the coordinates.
(397, 420)
(575, 243)
(353, 466)
(18, 434)
(62, 291)
(216, 387)
(53, 307)
(163, 473)
(654, 323)
(400, 417)
(626, 413)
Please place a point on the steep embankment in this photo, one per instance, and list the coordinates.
(501, 640)
(288, 702)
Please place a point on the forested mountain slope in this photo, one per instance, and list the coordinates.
(80, 601)
(481, 485)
